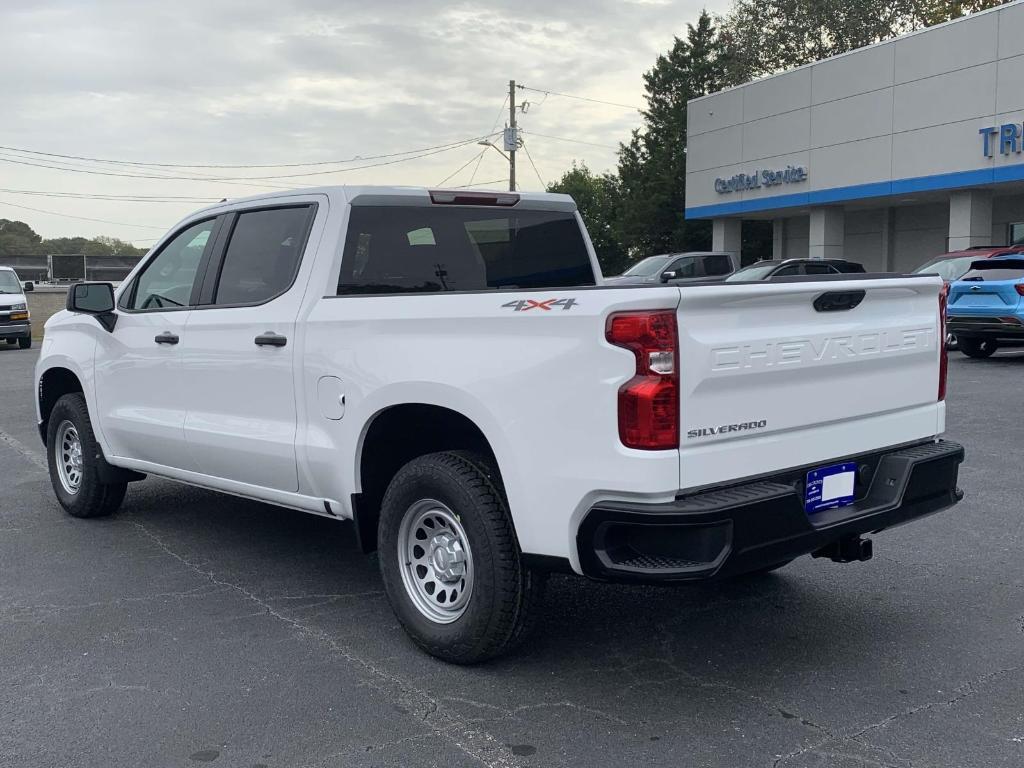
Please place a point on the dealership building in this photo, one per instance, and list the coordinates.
(887, 155)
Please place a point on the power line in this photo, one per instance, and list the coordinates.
(83, 218)
(461, 167)
(113, 197)
(580, 98)
(530, 158)
(502, 180)
(445, 148)
(494, 128)
(574, 141)
(356, 158)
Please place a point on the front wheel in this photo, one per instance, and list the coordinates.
(74, 457)
(25, 342)
(450, 561)
(978, 347)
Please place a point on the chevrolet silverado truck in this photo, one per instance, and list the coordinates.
(447, 370)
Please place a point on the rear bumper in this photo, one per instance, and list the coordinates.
(734, 530)
(15, 330)
(980, 326)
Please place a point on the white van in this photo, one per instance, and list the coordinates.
(15, 319)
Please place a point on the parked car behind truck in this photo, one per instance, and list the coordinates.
(446, 370)
(15, 318)
(986, 306)
(677, 268)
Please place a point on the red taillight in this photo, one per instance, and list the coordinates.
(943, 355)
(649, 402)
(444, 197)
(1019, 287)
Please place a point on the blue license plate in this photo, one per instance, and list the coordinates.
(830, 487)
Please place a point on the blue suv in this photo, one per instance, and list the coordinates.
(986, 306)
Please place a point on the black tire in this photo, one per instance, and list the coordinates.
(12, 341)
(979, 348)
(505, 595)
(91, 498)
(25, 342)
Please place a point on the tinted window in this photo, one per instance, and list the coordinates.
(263, 255)
(1014, 273)
(684, 267)
(167, 280)
(947, 269)
(392, 249)
(753, 272)
(819, 269)
(717, 264)
(792, 269)
(650, 266)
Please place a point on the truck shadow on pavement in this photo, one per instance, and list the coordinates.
(593, 642)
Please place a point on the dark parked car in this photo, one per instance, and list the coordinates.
(675, 268)
(766, 270)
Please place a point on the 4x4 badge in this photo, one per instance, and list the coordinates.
(525, 305)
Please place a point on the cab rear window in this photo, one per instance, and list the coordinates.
(393, 249)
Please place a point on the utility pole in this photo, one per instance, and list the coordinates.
(511, 136)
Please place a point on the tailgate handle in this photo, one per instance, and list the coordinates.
(838, 301)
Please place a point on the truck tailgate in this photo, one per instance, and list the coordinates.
(769, 381)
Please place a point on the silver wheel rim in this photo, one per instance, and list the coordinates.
(436, 561)
(68, 448)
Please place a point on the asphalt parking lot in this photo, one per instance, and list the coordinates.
(195, 628)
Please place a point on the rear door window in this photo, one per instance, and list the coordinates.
(263, 254)
(717, 264)
(434, 249)
(820, 269)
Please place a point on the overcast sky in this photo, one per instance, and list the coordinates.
(266, 81)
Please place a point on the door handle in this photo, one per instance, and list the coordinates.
(166, 338)
(271, 339)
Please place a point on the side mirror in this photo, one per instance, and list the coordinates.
(95, 299)
(29, 287)
(666, 276)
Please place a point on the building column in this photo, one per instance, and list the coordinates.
(778, 239)
(970, 219)
(889, 240)
(828, 233)
(727, 237)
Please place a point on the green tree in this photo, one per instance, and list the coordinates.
(18, 238)
(930, 12)
(597, 196)
(652, 166)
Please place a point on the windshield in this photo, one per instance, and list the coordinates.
(9, 282)
(648, 267)
(753, 272)
(948, 269)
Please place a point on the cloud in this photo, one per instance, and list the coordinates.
(262, 81)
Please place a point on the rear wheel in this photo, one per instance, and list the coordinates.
(450, 561)
(74, 457)
(978, 347)
(25, 343)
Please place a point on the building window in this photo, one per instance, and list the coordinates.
(1016, 236)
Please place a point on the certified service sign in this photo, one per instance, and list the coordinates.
(767, 178)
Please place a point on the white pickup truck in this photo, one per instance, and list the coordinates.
(447, 370)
